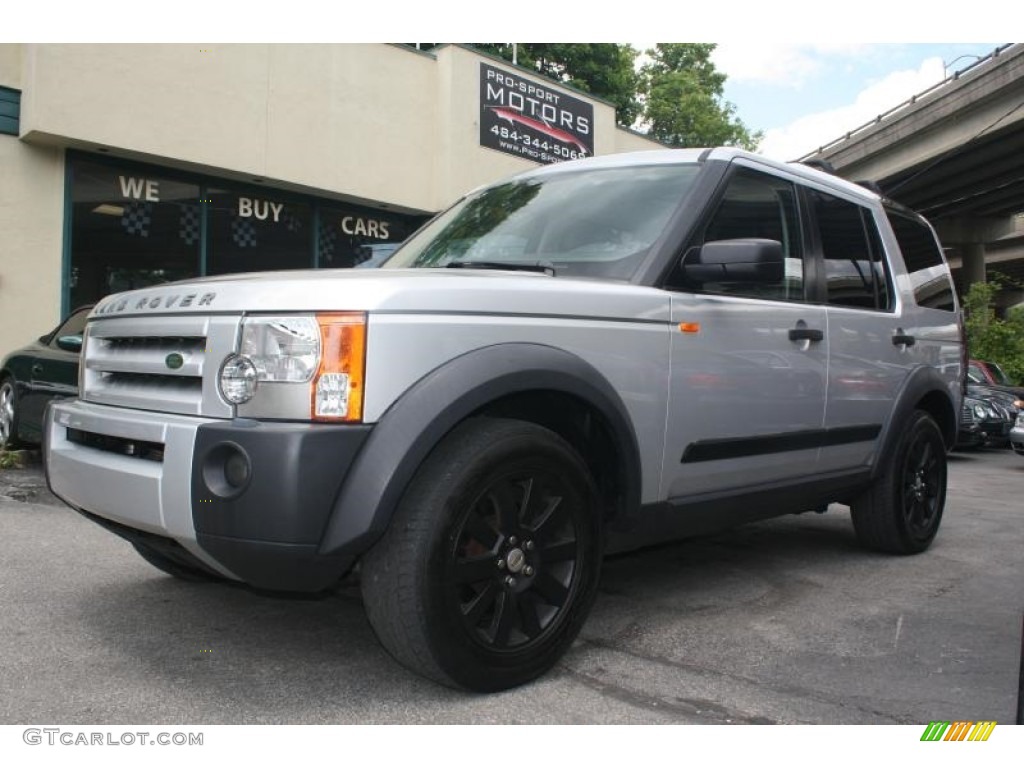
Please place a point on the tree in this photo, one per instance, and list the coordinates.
(990, 337)
(683, 104)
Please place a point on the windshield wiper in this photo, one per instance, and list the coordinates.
(512, 266)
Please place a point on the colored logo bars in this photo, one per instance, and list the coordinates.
(959, 730)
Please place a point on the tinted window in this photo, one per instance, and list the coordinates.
(854, 266)
(130, 229)
(73, 326)
(755, 205)
(251, 232)
(928, 273)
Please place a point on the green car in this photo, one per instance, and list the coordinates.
(32, 376)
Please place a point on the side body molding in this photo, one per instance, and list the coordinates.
(418, 420)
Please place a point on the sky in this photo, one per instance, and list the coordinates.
(805, 95)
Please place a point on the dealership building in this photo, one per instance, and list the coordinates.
(122, 166)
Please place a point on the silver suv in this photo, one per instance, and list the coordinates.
(589, 357)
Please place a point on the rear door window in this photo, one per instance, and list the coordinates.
(855, 272)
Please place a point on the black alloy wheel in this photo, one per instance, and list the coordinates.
(924, 483)
(512, 567)
(901, 511)
(490, 565)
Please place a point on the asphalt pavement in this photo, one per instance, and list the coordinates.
(785, 621)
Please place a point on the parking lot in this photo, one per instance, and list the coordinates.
(786, 621)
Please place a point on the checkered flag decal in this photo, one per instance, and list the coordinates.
(136, 218)
(293, 222)
(243, 233)
(328, 236)
(188, 224)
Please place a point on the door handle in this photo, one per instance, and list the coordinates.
(903, 338)
(809, 334)
(37, 369)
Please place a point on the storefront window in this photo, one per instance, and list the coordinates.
(250, 232)
(133, 226)
(129, 230)
(350, 237)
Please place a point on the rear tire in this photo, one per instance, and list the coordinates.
(900, 513)
(172, 567)
(490, 565)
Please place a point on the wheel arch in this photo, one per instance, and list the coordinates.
(534, 382)
(925, 390)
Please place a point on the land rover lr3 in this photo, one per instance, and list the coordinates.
(589, 357)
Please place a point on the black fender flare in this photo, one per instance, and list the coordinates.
(923, 381)
(427, 411)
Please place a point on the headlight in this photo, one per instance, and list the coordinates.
(298, 367)
(979, 411)
(1020, 420)
(282, 348)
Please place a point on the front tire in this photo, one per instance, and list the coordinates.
(902, 510)
(491, 562)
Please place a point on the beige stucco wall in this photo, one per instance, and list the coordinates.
(10, 65)
(31, 227)
(357, 118)
(376, 123)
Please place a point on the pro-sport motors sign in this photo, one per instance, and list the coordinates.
(529, 119)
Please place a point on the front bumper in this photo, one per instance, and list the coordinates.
(165, 475)
(1017, 439)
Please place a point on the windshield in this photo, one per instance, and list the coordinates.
(589, 223)
(999, 375)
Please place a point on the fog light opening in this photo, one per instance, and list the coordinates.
(227, 470)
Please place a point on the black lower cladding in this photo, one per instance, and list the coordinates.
(262, 493)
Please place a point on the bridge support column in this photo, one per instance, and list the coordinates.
(973, 263)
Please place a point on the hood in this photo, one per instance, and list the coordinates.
(394, 291)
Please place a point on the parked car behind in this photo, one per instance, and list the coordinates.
(989, 374)
(1017, 435)
(35, 374)
(983, 422)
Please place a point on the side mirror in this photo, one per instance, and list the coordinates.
(70, 343)
(747, 260)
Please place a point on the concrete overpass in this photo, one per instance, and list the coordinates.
(956, 154)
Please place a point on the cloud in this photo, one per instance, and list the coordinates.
(807, 133)
(780, 63)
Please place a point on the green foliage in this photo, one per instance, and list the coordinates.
(990, 337)
(11, 460)
(683, 99)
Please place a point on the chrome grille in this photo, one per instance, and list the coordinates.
(130, 362)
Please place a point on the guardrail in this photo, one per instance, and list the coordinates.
(908, 103)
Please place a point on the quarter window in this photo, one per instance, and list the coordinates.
(929, 275)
